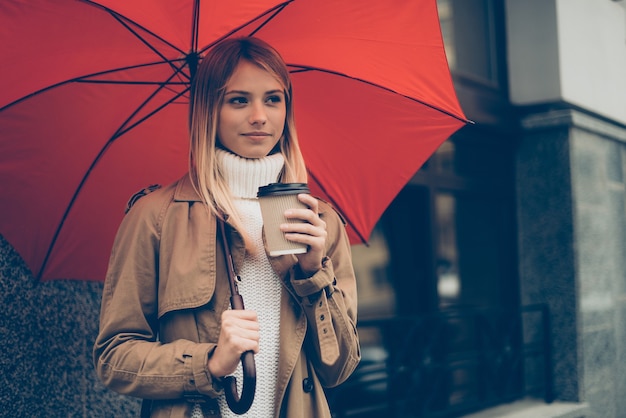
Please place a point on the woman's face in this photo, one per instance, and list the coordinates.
(252, 117)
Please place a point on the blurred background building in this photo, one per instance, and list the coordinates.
(495, 284)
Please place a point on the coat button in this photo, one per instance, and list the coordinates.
(307, 385)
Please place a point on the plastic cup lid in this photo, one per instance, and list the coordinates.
(283, 188)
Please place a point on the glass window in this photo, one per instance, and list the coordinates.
(375, 291)
(470, 159)
(447, 30)
(448, 281)
(467, 27)
(472, 256)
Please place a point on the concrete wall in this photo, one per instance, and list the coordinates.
(571, 51)
(547, 267)
(46, 334)
(572, 232)
(598, 167)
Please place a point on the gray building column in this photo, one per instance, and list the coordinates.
(572, 249)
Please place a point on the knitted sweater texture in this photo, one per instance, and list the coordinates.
(260, 287)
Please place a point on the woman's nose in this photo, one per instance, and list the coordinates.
(257, 113)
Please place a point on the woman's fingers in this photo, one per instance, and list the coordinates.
(240, 330)
(311, 232)
(239, 333)
(240, 319)
(313, 225)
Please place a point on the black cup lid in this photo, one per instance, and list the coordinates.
(283, 188)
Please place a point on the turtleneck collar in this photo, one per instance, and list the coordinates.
(245, 175)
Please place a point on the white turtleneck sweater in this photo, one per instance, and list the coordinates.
(260, 286)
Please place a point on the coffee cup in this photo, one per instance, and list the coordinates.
(275, 199)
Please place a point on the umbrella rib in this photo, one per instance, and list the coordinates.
(123, 20)
(303, 68)
(162, 84)
(121, 131)
(193, 58)
(276, 9)
(145, 42)
(130, 83)
(195, 25)
(124, 128)
(120, 18)
(84, 79)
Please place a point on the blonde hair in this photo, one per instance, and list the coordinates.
(207, 95)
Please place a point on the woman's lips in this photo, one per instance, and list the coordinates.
(256, 135)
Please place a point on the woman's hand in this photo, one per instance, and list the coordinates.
(311, 233)
(239, 333)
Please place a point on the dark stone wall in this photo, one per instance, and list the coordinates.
(546, 247)
(46, 334)
(572, 250)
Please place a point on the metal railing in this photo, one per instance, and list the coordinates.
(448, 363)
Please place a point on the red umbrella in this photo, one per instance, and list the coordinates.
(93, 107)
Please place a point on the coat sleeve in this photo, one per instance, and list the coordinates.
(329, 301)
(128, 357)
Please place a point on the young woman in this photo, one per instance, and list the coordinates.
(167, 334)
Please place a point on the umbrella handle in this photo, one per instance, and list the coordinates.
(239, 405)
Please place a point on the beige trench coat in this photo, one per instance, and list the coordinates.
(166, 288)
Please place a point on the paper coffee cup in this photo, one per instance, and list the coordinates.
(275, 199)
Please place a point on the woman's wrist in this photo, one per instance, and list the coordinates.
(302, 274)
(212, 367)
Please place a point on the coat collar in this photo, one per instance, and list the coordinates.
(185, 192)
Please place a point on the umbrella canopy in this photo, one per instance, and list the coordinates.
(94, 100)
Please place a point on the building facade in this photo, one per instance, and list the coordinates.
(508, 249)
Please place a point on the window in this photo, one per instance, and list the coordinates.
(448, 239)
(469, 35)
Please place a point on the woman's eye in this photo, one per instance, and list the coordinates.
(238, 100)
(274, 99)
